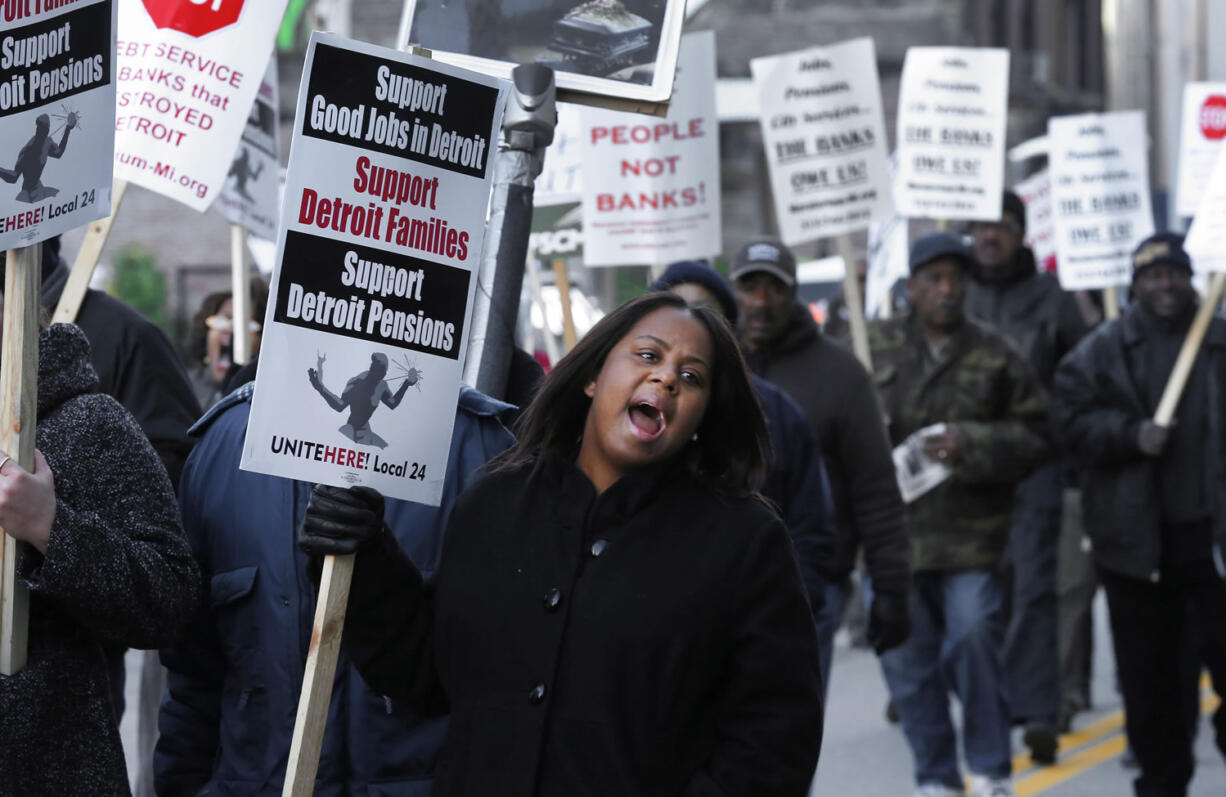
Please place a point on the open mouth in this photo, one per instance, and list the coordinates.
(646, 420)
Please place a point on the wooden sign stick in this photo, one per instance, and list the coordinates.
(87, 259)
(569, 338)
(18, 417)
(1178, 379)
(317, 680)
(854, 303)
(1111, 302)
(240, 297)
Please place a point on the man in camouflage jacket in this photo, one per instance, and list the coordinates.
(932, 367)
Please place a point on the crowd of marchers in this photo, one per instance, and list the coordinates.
(634, 579)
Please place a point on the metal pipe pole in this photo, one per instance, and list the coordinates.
(527, 129)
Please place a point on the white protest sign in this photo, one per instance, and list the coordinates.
(917, 472)
(1206, 239)
(824, 133)
(952, 111)
(1035, 192)
(651, 186)
(57, 116)
(1204, 127)
(187, 74)
(249, 196)
(561, 177)
(1100, 195)
(381, 227)
(888, 262)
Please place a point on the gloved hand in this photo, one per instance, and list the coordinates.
(889, 621)
(341, 521)
(1151, 438)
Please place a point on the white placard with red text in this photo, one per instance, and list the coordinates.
(249, 196)
(1100, 196)
(57, 116)
(824, 133)
(651, 186)
(381, 228)
(952, 110)
(1035, 192)
(1204, 128)
(188, 71)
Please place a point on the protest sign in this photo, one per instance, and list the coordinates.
(1204, 128)
(187, 74)
(606, 47)
(1100, 196)
(57, 112)
(249, 195)
(382, 224)
(951, 133)
(824, 133)
(651, 186)
(1206, 240)
(917, 472)
(888, 262)
(561, 178)
(1035, 192)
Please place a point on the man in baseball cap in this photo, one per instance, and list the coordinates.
(783, 344)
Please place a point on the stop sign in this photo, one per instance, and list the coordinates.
(194, 17)
(1213, 117)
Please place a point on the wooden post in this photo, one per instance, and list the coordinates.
(87, 259)
(1111, 302)
(1178, 379)
(18, 417)
(316, 694)
(240, 296)
(569, 338)
(854, 303)
(534, 279)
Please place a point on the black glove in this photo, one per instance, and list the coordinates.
(1151, 438)
(889, 621)
(341, 521)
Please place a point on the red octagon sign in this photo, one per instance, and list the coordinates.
(194, 17)
(1213, 117)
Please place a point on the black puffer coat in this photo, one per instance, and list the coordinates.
(117, 569)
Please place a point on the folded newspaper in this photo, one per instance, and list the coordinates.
(917, 472)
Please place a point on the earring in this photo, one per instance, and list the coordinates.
(695, 437)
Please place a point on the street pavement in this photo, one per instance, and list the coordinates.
(864, 756)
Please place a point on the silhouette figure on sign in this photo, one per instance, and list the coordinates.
(362, 395)
(32, 159)
(241, 171)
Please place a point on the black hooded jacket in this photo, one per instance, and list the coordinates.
(837, 395)
(1030, 309)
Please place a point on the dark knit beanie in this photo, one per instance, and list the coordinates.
(698, 273)
(1012, 203)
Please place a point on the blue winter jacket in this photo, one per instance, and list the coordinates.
(234, 680)
(798, 486)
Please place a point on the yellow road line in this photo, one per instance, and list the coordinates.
(1040, 780)
(1075, 764)
(1078, 738)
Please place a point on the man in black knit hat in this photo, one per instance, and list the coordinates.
(1008, 292)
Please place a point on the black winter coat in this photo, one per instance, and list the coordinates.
(117, 570)
(650, 641)
(835, 391)
(1098, 410)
